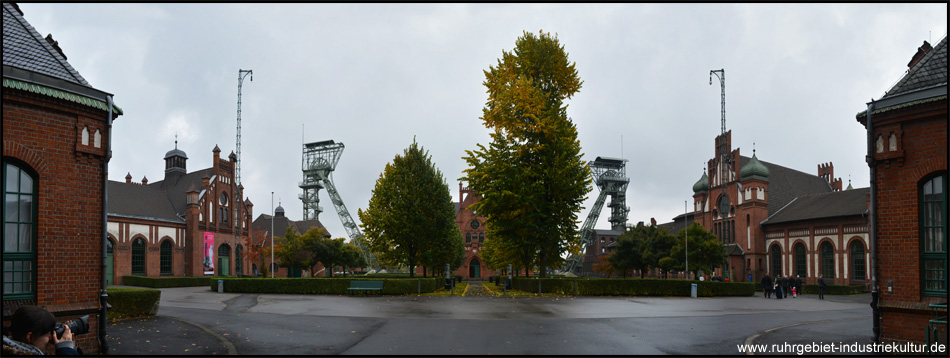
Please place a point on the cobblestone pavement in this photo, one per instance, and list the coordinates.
(478, 289)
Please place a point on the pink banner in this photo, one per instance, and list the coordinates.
(209, 253)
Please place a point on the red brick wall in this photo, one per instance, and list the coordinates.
(44, 133)
(921, 132)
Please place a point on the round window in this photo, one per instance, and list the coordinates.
(224, 199)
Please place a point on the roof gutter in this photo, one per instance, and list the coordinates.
(903, 98)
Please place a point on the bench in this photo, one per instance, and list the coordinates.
(364, 286)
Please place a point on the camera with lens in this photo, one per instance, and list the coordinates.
(77, 326)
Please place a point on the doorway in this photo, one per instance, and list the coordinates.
(474, 268)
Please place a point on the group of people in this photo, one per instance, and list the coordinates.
(32, 329)
(781, 286)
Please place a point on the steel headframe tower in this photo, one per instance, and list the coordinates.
(610, 175)
(318, 162)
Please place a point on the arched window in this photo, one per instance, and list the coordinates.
(138, 257)
(933, 236)
(827, 260)
(165, 258)
(238, 257)
(19, 232)
(776, 260)
(857, 261)
(468, 238)
(800, 268)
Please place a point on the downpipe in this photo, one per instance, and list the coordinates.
(872, 230)
(103, 296)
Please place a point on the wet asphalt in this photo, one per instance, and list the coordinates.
(198, 321)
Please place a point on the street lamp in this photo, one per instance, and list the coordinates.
(271, 268)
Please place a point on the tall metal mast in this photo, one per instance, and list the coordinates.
(725, 171)
(241, 75)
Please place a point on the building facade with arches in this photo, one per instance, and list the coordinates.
(187, 224)
(777, 220)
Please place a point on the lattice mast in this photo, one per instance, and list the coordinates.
(318, 163)
(725, 160)
(610, 176)
(241, 75)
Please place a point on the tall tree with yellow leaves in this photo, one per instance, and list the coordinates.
(531, 176)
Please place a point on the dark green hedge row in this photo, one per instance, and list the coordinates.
(836, 289)
(164, 282)
(632, 287)
(129, 302)
(458, 278)
(316, 285)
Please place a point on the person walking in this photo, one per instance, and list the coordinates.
(785, 286)
(767, 285)
(821, 287)
(778, 286)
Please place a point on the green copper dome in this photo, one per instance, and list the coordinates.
(754, 170)
(702, 185)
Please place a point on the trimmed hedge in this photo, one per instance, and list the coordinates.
(165, 282)
(130, 302)
(632, 287)
(836, 289)
(321, 285)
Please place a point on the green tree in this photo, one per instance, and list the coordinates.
(351, 256)
(705, 250)
(531, 176)
(410, 216)
(661, 243)
(294, 251)
(330, 253)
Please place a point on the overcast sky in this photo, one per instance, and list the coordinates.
(374, 76)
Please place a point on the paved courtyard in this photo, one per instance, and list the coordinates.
(259, 324)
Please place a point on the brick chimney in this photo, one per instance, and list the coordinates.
(128, 178)
(921, 52)
(144, 181)
(827, 172)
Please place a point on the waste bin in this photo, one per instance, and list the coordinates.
(220, 286)
(693, 289)
(449, 283)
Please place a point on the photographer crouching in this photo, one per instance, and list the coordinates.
(32, 329)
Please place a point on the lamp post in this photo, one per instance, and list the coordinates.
(686, 231)
(271, 268)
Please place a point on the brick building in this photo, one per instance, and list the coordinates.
(778, 220)
(187, 224)
(56, 135)
(281, 222)
(907, 155)
(472, 228)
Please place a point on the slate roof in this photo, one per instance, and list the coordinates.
(787, 184)
(930, 71)
(603, 232)
(25, 48)
(677, 224)
(139, 201)
(281, 223)
(824, 205)
(176, 188)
